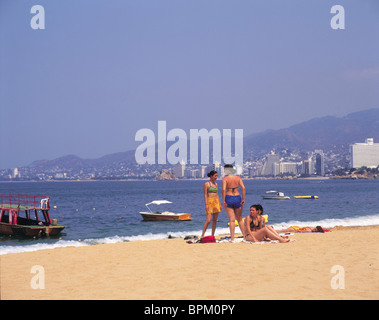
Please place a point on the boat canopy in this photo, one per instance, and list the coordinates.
(158, 202)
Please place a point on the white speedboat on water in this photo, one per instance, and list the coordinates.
(164, 215)
(275, 195)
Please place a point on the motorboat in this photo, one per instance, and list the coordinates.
(163, 215)
(274, 195)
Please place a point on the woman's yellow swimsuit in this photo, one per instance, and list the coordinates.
(297, 229)
(214, 205)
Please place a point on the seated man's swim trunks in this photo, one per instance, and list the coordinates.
(214, 205)
(233, 201)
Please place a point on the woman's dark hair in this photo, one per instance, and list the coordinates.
(212, 173)
(228, 166)
(257, 207)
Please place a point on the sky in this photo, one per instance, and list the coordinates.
(101, 70)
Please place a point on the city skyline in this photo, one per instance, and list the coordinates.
(366, 120)
(284, 164)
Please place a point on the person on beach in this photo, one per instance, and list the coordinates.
(254, 219)
(212, 202)
(255, 229)
(231, 198)
(304, 229)
(260, 213)
(259, 209)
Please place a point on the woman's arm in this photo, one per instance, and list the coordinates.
(223, 192)
(243, 191)
(217, 193)
(206, 197)
(263, 222)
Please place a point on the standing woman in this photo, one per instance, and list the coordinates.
(212, 202)
(232, 200)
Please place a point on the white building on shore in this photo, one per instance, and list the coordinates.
(364, 154)
(289, 167)
(179, 169)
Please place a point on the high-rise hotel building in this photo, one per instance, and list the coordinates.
(364, 154)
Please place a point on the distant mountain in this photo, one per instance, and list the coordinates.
(70, 161)
(75, 163)
(319, 133)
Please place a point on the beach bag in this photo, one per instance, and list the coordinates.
(208, 239)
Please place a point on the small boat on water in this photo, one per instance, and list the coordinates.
(305, 197)
(22, 215)
(274, 195)
(164, 215)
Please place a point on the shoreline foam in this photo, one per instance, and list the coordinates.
(221, 230)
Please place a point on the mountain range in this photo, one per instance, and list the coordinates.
(319, 133)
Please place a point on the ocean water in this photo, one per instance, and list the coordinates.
(96, 212)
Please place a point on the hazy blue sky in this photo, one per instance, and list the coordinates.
(101, 70)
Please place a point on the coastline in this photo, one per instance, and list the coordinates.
(174, 270)
(201, 179)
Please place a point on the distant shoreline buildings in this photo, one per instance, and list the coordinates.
(281, 163)
(313, 164)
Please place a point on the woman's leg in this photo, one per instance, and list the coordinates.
(265, 232)
(238, 213)
(290, 229)
(232, 219)
(275, 236)
(206, 224)
(214, 223)
(273, 230)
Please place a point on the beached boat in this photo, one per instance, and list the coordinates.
(22, 215)
(164, 215)
(305, 197)
(274, 195)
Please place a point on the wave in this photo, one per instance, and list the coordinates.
(326, 223)
(358, 221)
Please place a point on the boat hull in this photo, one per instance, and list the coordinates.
(275, 198)
(29, 231)
(165, 217)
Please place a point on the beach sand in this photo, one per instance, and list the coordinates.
(172, 269)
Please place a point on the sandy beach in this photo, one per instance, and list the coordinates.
(342, 264)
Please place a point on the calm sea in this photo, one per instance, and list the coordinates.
(108, 211)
